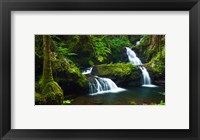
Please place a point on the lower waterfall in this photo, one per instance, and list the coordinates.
(103, 85)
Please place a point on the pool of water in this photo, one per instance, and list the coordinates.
(131, 95)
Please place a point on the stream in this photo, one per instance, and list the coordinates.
(138, 95)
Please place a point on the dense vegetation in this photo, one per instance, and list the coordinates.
(60, 60)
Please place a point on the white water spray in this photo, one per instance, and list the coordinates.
(87, 71)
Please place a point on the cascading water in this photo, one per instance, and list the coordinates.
(136, 61)
(138, 42)
(146, 77)
(103, 85)
(87, 71)
(133, 57)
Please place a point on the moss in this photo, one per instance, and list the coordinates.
(118, 69)
(40, 99)
(50, 94)
(47, 70)
(120, 73)
(53, 93)
(133, 103)
(68, 102)
(149, 47)
(69, 77)
(157, 65)
(161, 103)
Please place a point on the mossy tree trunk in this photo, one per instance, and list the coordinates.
(47, 70)
(51, 92)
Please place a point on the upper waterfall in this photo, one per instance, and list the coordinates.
(136, 61)
(87, 71)
(133, 57)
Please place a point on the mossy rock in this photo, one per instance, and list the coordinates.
(40, 99)
(156, 67)
(69, 77)
(124, 74)
(51, 94)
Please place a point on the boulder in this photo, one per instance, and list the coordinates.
(123, 56)
(123, 74)
(69, 77)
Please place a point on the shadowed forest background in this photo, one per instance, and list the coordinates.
(99, 69)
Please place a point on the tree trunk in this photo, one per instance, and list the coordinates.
(47, 70)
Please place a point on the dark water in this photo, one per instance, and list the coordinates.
(132, 95)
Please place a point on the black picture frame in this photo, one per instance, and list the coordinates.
(6, 6)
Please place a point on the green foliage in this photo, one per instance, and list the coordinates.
(157, 64)
(61, 47)
(150, 46)
(92, 49)
(110, 46)
(133, 103)
(134, 38)
(118, 42)
(65, 52)
(101, 48)
(67, 102)
(161, 103)
(72, 41)
(91, 63)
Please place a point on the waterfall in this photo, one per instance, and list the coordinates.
(133, 57)
(103, 85)
(136, 61)
(138, 42)
(87, 71)
(146, 77)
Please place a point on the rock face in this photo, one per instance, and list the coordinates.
(69, 77)
(123, 74)
(123, 55)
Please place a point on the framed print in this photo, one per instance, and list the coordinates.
(99, 69)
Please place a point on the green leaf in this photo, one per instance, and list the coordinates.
(100, 58)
